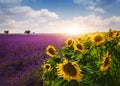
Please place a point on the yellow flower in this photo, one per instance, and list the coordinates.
(98, 38)
(47, 67)
(51, 51)
(119, 43)
(112, 34)
(106, 62)
(69, 42)
(79, 47)
(69, 71)
(78, 38)
(118, 34)
(86, 37)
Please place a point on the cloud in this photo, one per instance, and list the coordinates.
(85, 2)
(10, 1)
(20, 18)
(96, 2)
(17, 19)
(25, 12)
(91, 5)
(113, 22)
(6, 4)
(97, 9)
(97, 6)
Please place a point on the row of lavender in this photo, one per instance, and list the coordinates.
(22, 55)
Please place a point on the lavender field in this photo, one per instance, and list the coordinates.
(21, 57)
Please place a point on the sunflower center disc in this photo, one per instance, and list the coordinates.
(51, 51)
(79, 39)
(110, 34)
(106, 62)
(69, 69)
(98, 38)
(47, 66)
(79, 46)
(69, 42)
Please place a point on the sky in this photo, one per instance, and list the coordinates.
(59, 16)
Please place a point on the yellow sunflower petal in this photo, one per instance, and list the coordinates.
(79, 38)
(111, 34)
(119, 43)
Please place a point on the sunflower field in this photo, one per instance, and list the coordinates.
(87, 60)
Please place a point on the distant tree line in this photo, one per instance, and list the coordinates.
(25, 32)
(6, 31)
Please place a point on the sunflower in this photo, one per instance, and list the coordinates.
(47, 66)
(98, 38)
(78, 38)
(118, 34)
(112, 34)
(106, 62)
(79, 47)
(119, 43)
(69, 71)
(69, 42)
(86, 37)
(51, 51)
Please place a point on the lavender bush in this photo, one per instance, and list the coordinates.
(22, 55)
